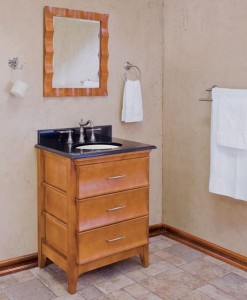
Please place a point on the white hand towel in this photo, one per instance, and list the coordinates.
(232, 122)
(228, 155)
(132, 102)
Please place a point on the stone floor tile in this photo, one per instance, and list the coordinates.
(58, 288)
(204, 270)
(117, 295)
(136, 290)
(54, 268)
(128, 265)
(175, 260)
(113, 284)
(109, 271)
(90, 293)
(166, 290)
(47, 276)
(70, 297)
(230, 288)
(235, 270)
(6, 281)
(169, 240)
(93, 276)
(154, 239)
(149, 296)
(157, 268)
(3, 296)
(215, 293)
(236, 279)
(214, 260)
(186, 253)
(31, 290)
(159, 245)
(196, 295)
(163, 253)
(177, 276)
(154, 258)
(23, 276)
(136, 275)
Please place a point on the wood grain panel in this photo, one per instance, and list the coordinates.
(112, 239)
(111, 177)
(56, 203)
(112, 208)
(56, 234)
(55, 171)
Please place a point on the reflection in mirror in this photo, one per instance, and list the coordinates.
(76, 53)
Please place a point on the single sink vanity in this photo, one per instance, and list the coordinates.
(92, 204)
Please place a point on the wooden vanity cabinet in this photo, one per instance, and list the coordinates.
(92, 211)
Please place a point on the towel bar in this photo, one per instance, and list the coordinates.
(208, 90)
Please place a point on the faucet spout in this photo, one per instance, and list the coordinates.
(83, 124)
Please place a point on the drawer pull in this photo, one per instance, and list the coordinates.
(116, 239)
(115, 208)
(115, 177)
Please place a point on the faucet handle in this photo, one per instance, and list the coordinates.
(70, 140)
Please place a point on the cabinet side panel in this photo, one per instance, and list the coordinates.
(55, 172)
(56, 203)
(56, 234)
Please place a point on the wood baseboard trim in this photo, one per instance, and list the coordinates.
(18, 264)
(31, 261)
(211, 249)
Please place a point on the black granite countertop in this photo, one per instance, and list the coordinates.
(54, 141)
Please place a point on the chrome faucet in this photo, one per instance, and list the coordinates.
(83, 124)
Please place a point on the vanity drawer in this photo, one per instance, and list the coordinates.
(112, 239)
(112, 208)
(56, 203)
(110, 177)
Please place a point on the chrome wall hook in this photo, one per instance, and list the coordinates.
(14, 63)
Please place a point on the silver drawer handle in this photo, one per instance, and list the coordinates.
(116, 239)
(115, 177)
(115, 208)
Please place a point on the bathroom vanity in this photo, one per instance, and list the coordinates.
(92, 204)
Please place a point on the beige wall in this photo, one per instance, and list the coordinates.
(21, 34)
(205, 44)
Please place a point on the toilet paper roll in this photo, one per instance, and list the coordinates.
(19, 88)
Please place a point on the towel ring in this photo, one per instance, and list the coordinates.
(128, 66)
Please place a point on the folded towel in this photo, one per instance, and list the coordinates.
(132, 102)
(232, 122)
(228, 155)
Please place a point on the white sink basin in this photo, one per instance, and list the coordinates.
(98, 147)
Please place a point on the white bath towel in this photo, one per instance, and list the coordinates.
(132, 102)
(228, 159)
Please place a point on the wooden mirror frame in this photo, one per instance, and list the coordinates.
(49, 91)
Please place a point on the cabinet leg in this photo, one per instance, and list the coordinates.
(41, 261)
(145, 256)
(72, 283)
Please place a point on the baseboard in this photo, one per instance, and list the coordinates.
(211, 249)
(31, 261)
(18, 264)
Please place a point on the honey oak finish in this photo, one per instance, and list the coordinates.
(49, 91)
(92, 211)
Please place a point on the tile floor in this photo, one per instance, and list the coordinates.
(175, 272)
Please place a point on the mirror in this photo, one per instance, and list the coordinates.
(76, 53)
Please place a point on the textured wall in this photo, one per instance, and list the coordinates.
(205, 44)
(132, 37)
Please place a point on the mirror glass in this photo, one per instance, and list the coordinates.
(76, 53)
